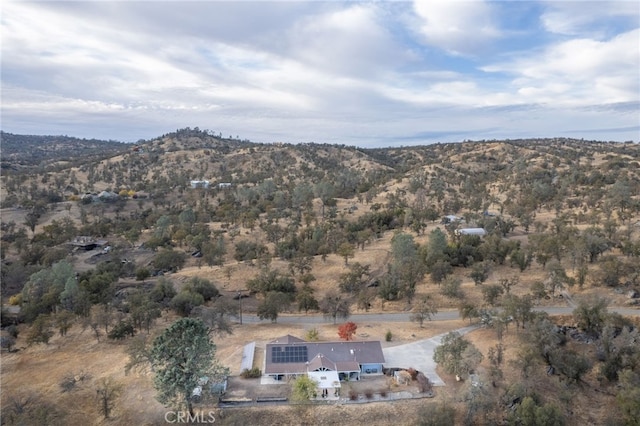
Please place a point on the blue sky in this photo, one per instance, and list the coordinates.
(378, 73)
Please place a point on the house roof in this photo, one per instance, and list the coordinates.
(290, 355)
(288, 339)
(320, 362)
(471, 231)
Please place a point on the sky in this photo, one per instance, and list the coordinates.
(363, 73)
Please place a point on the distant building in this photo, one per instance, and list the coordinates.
(224, 185)
(451, 218)
(87, 243)
(200, 184)
(471, 231)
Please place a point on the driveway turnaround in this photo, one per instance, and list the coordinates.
(419, 355)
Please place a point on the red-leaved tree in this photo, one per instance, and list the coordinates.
(347, 330)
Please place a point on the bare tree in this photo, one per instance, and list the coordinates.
(107, 393)
(423, 310)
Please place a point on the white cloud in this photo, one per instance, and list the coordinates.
(350, 41)
(578, 71)
(457, 26)
(592, 18)
(345, 72)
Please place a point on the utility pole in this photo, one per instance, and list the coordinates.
(240, 301)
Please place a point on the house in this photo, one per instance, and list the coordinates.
(200, 184)
(331, 362)
(108, 196)
(87, 243)
(451, 218)
(224, 185)
(471, 231)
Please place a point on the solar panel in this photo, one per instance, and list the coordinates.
(288, 354)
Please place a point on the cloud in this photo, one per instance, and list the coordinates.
(348, 42)
(596, 19)
(458, 27)
(577, 71)
(366, 73)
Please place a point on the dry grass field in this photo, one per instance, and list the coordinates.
(36, 372)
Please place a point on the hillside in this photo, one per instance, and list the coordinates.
(310, 228)
(44, 151)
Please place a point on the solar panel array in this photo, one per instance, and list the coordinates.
(288, 354)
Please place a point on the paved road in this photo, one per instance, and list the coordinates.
(404, 316)
(419, 354)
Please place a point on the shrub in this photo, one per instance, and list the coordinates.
(254, 373)
(347, 330)
(142, 274)
(313, 335)
(121, 330)
(184, 302)
(388, 336)
(368, 393)
(383, 393)
(353, 395)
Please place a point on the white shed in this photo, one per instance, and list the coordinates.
(471, 231)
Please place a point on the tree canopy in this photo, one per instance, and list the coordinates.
(180, 356)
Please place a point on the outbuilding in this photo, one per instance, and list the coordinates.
(471, 231)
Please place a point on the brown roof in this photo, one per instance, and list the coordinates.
(338, 356)
(321, 361)
(288, 339)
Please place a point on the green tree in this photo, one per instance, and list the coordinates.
(557, 277)
(121, 330)
(306, 300)
(202, 286)
(213, 251)
(519, 308)
(436, 247)
(274, 303)
(591, 315)
(142, 274)
(406, 264)
(491, 294)
(468, 310)
(41, 294)
(169, 260)
(304, 389)
(440, 270)
(346, 250)
(163, 292)
(628, 398)
(40, 330)
(143, 310)
(185, 301)
(271, 280)
(480, 272)
(355, 279)
(181, 355)
(456, 355)
(529, 413)
(451, 288)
